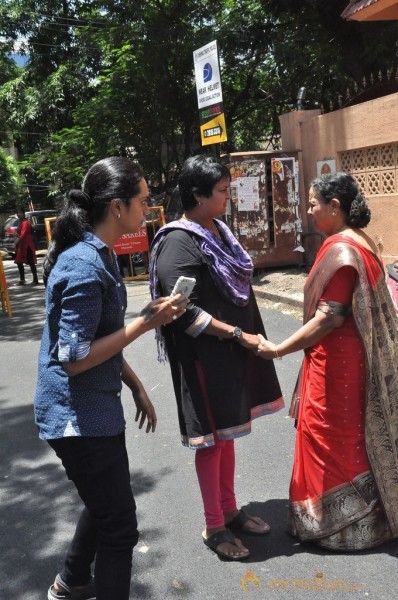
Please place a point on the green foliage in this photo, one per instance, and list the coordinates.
(116, 77)
(11, 182)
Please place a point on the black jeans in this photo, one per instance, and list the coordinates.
(107, 528)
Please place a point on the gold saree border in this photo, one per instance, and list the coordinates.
(349, 517)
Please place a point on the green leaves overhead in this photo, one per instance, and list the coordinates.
(116, 77)
(11, 183)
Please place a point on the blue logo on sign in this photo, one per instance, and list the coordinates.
(207, 72)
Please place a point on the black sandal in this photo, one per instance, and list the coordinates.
(220, 538)
(238, 524)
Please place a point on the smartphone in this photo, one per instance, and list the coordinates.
(183, 286)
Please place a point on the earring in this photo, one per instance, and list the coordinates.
(118, 215)
(199, 203)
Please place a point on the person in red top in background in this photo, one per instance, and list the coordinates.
(25, 251)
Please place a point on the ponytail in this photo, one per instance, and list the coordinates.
(68, 228)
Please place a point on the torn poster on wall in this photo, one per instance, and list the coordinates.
(285, 196)
(248, 193)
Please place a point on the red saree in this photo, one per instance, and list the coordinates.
(344, 486)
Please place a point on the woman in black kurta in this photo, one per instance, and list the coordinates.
(220, 383)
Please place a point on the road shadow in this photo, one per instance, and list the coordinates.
(277, 542)
(39, 508)
(26, 323)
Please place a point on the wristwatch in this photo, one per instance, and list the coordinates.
(236, 333)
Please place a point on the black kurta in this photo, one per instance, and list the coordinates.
(219, 385)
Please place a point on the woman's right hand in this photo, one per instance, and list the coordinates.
(163, 311)
(249, 341)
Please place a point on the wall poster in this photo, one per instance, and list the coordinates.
(326, 167)
(248, 214)
(286, 202)
(248, 194)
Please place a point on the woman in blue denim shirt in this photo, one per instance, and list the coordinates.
(78, 406)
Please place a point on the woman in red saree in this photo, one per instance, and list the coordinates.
(344, 486)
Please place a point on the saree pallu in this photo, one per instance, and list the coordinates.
(344, 487)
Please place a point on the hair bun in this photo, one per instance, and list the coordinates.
(80, 198)
(359, 212)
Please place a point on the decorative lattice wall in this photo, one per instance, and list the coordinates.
(375, 168)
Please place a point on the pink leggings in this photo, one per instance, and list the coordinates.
(215, 468)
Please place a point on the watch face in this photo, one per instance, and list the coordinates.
(237, 332)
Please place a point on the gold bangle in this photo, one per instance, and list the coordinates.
(276, 355)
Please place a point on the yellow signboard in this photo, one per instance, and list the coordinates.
(214, 131)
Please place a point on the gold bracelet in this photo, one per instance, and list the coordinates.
(276, 355)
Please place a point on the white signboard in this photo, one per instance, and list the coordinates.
(207, 75)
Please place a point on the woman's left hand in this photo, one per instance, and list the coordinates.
(145, 410)
(265, 348)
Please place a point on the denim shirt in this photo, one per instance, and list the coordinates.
(85, 300)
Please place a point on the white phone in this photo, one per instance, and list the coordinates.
(183, 286)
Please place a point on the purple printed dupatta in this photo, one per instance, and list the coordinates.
(229, 264)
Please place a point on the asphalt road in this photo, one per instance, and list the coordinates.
(39, 507)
